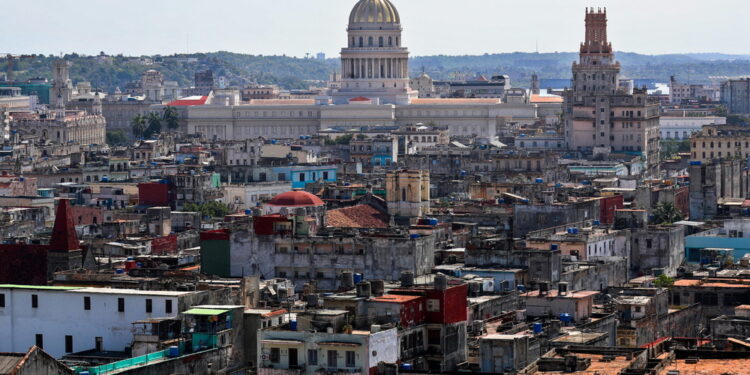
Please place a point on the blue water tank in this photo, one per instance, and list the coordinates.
(357, 278)
(248, 212)
(521, 288)
(119, 271)
(695, 163)
(139, 264)
(575, 230)
(406, 366)
(597, 222)
(566, 318)
(538, 327)
(293, 325)
(432, 221)
(414, 236)
(539, 180)
(554, 246)
(173, 351)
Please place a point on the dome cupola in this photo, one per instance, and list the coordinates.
(369, 12)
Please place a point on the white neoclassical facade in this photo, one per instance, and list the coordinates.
(374, 90)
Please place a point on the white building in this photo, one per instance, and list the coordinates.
(355, 353)
(64, 320)
(681, 128)
(374, 90)
(245, 197)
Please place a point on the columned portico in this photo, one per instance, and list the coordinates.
(374, 64)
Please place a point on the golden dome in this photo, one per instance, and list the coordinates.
(374, 11)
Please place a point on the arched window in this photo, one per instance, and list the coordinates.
(403, 194)
(361, 42)
(370, 41)
(380, 41)
(352, 44)
(390, 41)
(397, 42)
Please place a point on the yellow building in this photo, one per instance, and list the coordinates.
(408, 193)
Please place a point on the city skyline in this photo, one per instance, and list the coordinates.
(297, 27)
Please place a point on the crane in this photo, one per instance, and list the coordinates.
(11, 60)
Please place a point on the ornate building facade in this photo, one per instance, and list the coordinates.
(374, 90)
(599, 115)
(375, 64)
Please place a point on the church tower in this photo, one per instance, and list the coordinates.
(62, 86)
(602, 117)
(374, 64)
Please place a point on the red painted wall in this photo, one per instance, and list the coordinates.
(607, 206)
(682, 201)
(164, 245)
(84, 215)
(452, 304)
(23, 264)
(153, 194)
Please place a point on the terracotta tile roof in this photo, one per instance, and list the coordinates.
(282, 102)
(359, 216)
(360, 99)
(709, 366)
(535, 98)
(395, 298)
(439, 101)
(191, 100)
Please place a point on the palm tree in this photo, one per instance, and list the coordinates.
(138, 125)
(171, 117)
(667, 213)
(154, 124)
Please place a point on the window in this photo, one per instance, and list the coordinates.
(302, 177)
(648, 243)
(433, 337)
(99, 344)
(68, 344)
(293, 357)
(40, 340)
(312, 357)
(87, 303)
(2, 300)
(350, 359)
(121, 304)
(35, 303)
(275, 355)
(149, 306)
(332, 358)
(168, 306)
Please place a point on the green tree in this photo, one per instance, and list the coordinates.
(667, 213)
(154, 124)
(211, 209)
(664, 281)
(171, 117)
(138, 125)
(116, 138)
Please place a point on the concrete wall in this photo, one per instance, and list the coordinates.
(61, 312)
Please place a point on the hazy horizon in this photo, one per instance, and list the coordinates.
(296, 27)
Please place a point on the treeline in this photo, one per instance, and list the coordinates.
(298, 73)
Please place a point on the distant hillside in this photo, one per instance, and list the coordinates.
(295, 73)
(520, 66)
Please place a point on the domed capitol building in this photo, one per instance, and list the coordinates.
(374, 90)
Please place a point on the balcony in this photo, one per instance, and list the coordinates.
(280, 371)
(335, 371)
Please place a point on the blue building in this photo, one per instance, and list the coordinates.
(299, 175)
(719, 244)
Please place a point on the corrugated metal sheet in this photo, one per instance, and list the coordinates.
(8, 361)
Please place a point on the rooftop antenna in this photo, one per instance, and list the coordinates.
(187, 43)
(537, 46)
